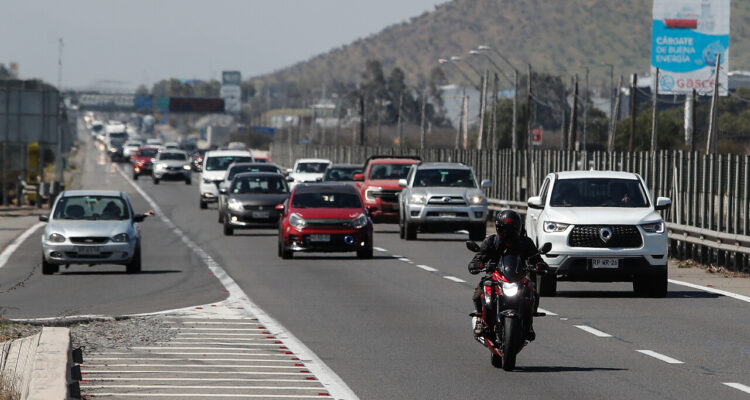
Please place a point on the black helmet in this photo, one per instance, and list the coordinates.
(508, 225)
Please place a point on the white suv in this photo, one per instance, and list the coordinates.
(603, 227)
(215, 164)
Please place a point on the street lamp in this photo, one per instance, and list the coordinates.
(443, 61)
(482, 50)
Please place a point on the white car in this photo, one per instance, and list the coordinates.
(131, 146)
(215, 164)
(172, 164)
(156, 142)
(307, 170)
(604, 227)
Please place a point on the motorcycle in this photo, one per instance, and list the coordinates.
(508, 306)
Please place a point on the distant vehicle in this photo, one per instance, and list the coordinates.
(97, 128)
(324, 217)
(307, 170)
(442, 197)
(379, 187)
(215, 164)
(172, 164)
(171, 146)
(261, 155)
(115, 139)
(341, 172)
(91, 227)
(236, 146)
(153, 142)
(142, 161)
(604, 227)
(130, 148)
(252, 198)
(238, 168)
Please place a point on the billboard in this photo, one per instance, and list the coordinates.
(231, 91)
(686, 37)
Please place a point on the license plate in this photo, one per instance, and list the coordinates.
(448, 215)
(320, 238)
(261, 214)
(605, 262)
(88, 251)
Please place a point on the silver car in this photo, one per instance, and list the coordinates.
(442, 197)
(172, 164)
(92, 227)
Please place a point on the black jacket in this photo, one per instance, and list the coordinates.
(491, 250)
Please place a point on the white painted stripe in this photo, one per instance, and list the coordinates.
(212, 387)
(380, 249)
(593, 331)
(404, 259)
(194, 348)
(214, 329)
(738, 386)
(223, 334)
(211, 323)
(711, 290)
(265, 396)
(548, 312)
(224, 338)
(197, 366)
(88, 372)
(454, 279)
(89, 359)
(427, 268)
(164, 344)
(396, 256)
(660, 356)
(107, 379)
(204, 353)
(5, 255)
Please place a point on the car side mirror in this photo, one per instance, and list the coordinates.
(472, 246)
(359, 177)
(223, 191)
(535, 202)
(318, 179)
(545, 248)
(279, 207)
(486, 183)
(289, 179)
(663, 203)
(44, 218)
(289, 171)
(139, 218)
(402, 183)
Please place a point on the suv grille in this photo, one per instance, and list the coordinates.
(623, 236)
(447, 200)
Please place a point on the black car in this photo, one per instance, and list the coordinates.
(252, 198)
(341, 172)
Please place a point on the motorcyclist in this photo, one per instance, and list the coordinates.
(509, 240)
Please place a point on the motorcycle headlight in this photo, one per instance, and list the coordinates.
(297, 221)
(417, 199)
(654, 227)
(56, 238)
(120, 238)
(359, 222)
(476, 199)
(510, 289)
(234, 205)
(186, 166)
(552, 227)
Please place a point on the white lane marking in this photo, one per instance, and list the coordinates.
(426, 268)
(406, 260)
(738, 386)
(5, 255)
(222, 338)
(200, 366)
(211, 323)
(593, 331)
(548, 312)
(223, 334)
(218, 344)
(214, 329)
(333, 383)
(212, 387)
(397, 256)
(265, 396)
(202, 353)
(660, 356)
(192, 348)
(454, 279)
(90, 359)
(106, 379)
(196, 372)
(711, 290)
(380, 249)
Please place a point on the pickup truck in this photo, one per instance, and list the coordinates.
(378, 185)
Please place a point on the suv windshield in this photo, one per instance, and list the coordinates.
(92, 208)
(221, 163)
(147, 153)
(326, 200)
(251, 168)
(389, 171)
(444, 177)
(259, 184)
(312, 167)
(342, 174)
(598, 192)
(172, 156)
(118, 135)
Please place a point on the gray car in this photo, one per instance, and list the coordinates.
(238, 168)
(91, 227)
(252, 198)
(442, 197)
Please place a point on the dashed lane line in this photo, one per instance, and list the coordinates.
(427, 268)
(380, 249)
(660, 356)
(548, 312)
(454, 279)
(738, 386)
(593, 331)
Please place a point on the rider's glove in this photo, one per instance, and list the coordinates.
(541, 266)
(475, 267)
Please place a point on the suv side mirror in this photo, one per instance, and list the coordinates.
(535, 202)
(279, 207)
(223, 190)
(486, 183)
(44, 218)
(359, 177)
(402, 183)
(663, 203)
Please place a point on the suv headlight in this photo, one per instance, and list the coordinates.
(370, 193)
(476, 199)
(56, 238)
(186, 166)
(234, 205)
(552, 227)
(510, 289)
(120, 238)
(359, 222)
(654, 227)
(297, 221)
(417, 199)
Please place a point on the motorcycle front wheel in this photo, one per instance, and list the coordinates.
(509, 343)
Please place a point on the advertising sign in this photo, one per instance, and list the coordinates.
(536, 136)
(687, 36)
(231, 91)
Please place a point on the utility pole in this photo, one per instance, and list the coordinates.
(338, 122)
(361, 119)
(379, 104)
(613, 118)
(514, 128)
(586, 112)
(59, 157)
(493, 122)
(713, 123)
(633, 113)
(573, 118)
(655, 114)
(693, 117)
(400, 123)
(460, 122)
(465, 114)
(482, 111)
(528, 109)
(423, 123)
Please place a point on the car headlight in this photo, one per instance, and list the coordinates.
(186, 166)
(654, 227)
(552, 227)
(510, 289)
(56, 238)
(234, 205)
(161, 166)
(120, 238)
(360, 222)
(297, 221)
(476, 199)
(370, 193)
(417, 199)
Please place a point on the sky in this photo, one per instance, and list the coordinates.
(132, 42)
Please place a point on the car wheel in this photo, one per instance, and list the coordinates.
(49, 268)
(365, 252)
(478, 232)
(546, 285)
(135, 177)
(401, 231)
(134, 266)
(228, 230)
(202, 205)
(286, 254)
(221, 217)
(410, 231)
(156, 181)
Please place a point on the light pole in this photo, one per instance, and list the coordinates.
(444, 61)
(611, 88)
(482, 50)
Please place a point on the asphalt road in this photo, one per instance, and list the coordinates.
(397, 326)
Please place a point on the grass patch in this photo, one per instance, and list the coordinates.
(8, 390)
(12, 331)
(684, 266)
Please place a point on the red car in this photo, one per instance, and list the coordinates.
(324, 218)
(141, 161)
(378, 185)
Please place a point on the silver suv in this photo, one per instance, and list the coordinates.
(442, 197)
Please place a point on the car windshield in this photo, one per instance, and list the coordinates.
(221, 163)
(118, 135)
(598, 192)
(312, 167)
(342, 174)
(250, 168)
(326, 200)
(147, 153)
(444, 177)
(389, 171)
(259, 184)
(172, 156)
(91, 208)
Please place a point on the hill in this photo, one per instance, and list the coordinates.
(554, 36)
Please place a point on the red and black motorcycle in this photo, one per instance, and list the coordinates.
(508, 306)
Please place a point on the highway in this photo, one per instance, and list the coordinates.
(397, 326)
